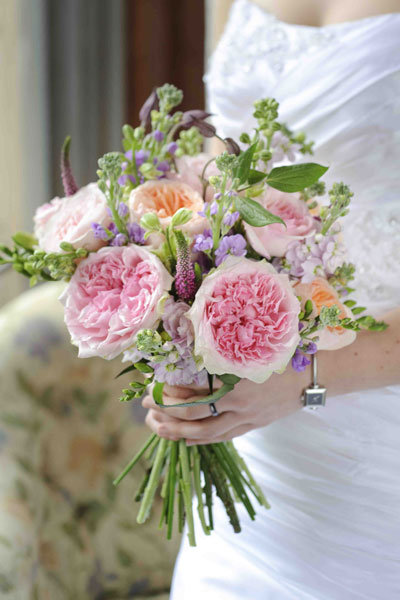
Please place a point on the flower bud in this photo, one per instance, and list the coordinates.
(182, 216)
(151, 222)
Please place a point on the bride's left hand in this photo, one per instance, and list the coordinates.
(247, 407)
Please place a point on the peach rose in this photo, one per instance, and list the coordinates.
(70, 220)
(190, 170)
(273, 240)
(321, 293)
(165, 198)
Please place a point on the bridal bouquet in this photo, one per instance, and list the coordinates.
(193, 267)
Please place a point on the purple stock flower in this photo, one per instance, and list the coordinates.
(136, 233)
(129, 154)
(123, 210)
(183, 372)
(163, 166)
(320, 255)
(141, 156)
(119, 240)
(230, 244)
(203, 241)
(158, 135)
(113, 228)
(99, 232)
(213, 208)
(312, 348)
(299, 361)
(172, 147)
(202, 213)
(231, 218)
(217, 196)
(122, 179)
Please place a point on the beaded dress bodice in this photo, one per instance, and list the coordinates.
(340, 84)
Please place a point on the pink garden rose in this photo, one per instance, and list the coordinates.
(190, 169)
(165, 198)
(321, 293)
(112, 294)
(70, 219)
(273, 240)
(245, 318)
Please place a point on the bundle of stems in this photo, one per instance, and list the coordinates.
(181, 472)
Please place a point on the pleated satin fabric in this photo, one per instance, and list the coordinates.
(332, 476)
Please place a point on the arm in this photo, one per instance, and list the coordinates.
(372, 361)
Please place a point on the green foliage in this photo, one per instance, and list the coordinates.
(294, 178)
(254, 213)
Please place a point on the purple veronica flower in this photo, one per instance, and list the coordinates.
(119, 240)
(231, 218)
(299, 361)
(122, 209)
(203, 241)
(136, 233)
(185, 279)
(230, 244)
(158, 135)
(99, 231)
(172, 147)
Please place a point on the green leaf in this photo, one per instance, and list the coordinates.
(143, 367)
(126, 370)
(358, 309)
(229, 379)
(350, 303)
(25, 240)
(294, 178)
(254, 214)
(255, 176)
(158, 393)
(243, 164)
(308, 308)
(222, 391)
(182, 216)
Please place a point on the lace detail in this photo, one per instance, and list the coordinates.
(266, 39)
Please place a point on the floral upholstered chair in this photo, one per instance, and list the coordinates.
(66, 533)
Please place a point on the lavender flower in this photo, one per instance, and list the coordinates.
(231, 218)
(158, 135)
(100, 232)
(230, 244)
(299, 361)
(203, 241)
(185, 280)
(136, 233)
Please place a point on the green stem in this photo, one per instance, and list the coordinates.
(197, 487)
(219, 480)
(135, 459)
(257, 491)
(234, 475)
(186, 486)
(139, 493)
(181, 506)
(154, 480)
(171, 487)
(207, 490)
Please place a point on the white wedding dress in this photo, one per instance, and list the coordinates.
(332, 476)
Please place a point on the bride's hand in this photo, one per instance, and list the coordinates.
(247, 407)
